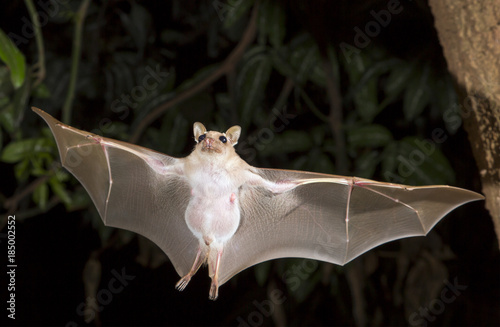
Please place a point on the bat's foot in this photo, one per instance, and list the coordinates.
(214, 290)
(181, 284)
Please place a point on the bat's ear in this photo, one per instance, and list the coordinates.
(198, 129)
(234, 134)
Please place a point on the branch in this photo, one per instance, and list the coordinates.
(75, 58)
(336, 118)
(11, 203)
(39, 67)
(279, 315)
(285, 93)
(226, 67)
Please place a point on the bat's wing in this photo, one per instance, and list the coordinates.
(131, 188)
(331, 218)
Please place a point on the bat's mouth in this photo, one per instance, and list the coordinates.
(209, 145)
(211, 149)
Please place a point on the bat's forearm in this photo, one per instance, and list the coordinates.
(274, 187)
(163, 168)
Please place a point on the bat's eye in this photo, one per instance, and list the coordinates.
(201, 137)
(223, 139)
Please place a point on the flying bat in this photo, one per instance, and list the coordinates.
(212, 207)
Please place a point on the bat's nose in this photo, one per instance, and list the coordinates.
(210, 145)
(209, 142)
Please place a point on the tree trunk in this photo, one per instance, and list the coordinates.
(469, 32)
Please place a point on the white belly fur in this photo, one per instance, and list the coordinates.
(213, 218)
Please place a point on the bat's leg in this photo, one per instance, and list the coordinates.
(182, 283)
(214, 287)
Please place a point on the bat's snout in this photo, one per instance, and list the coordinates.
(208, 142)
(210, 145)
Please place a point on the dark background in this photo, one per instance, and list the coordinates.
(393, 91)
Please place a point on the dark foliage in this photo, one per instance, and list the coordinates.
(346, 87)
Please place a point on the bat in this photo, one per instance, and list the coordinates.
(213, 208)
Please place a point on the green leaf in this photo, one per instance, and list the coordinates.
(43, 145)
(59, 189)
(280, 63)
(137, 24)
(364, 93)
(252, 83)
(14, 59)
(356, 68)
(417, 161)
(41, 91)
(389, 162)
(374, 71)
(37, 168)
(304, 58)
(367, 163)
(41, 195)
(6, 87)
(272, 23)
(397, 81)
(367, 103)
(81, 199)
(231, 12)
(262, 22)
(286, 142)
(369, 136)
(17, 150)
(322, 164)
(300, 61)
(62, 175)
(417, 94)
(174, 132)
(21, 170)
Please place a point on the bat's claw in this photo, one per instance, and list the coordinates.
(181, 284)
(214, 290)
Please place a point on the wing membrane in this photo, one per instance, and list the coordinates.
(332, 218)
(128, 188)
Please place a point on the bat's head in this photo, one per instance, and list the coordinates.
(215, 142)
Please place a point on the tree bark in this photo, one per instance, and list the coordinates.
(469, 32)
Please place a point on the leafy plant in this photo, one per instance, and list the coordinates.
(148, 77)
